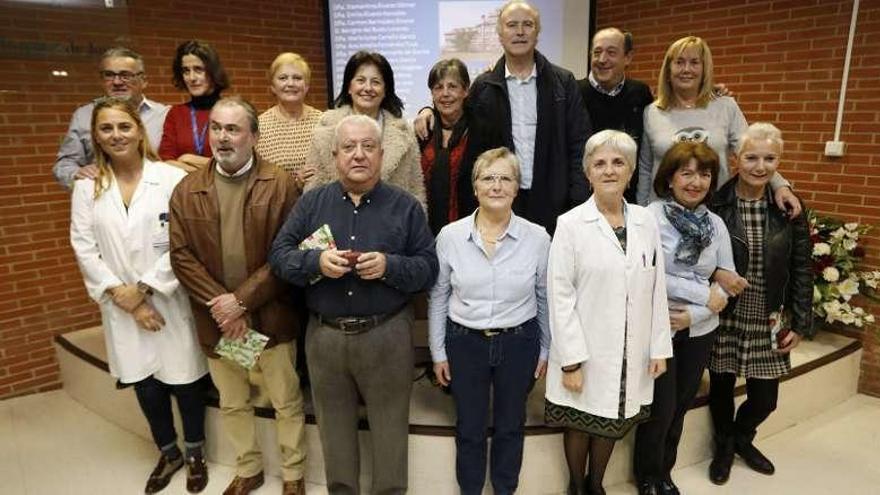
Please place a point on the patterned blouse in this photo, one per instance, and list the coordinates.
(286, 142)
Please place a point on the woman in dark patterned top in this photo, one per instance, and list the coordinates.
(759, 328)
(443, 150)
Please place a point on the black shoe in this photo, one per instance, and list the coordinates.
(648, 488)
(162, 473)
(667, 487)
(753, 457)
(719, 469)
(575, 488)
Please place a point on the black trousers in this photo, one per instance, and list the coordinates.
(656, 446)
(154, 398)
(761, 395)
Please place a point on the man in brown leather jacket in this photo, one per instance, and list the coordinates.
(222, 220)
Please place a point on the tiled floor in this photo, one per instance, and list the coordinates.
(50, 444)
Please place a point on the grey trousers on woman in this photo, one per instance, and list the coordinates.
(376, 365)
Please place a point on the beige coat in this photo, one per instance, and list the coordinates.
(400, 163)
(597, 294)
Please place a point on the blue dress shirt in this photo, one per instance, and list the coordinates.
(480, 292)
(688, 286)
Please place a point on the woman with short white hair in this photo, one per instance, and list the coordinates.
(609, 319)
(765, 322)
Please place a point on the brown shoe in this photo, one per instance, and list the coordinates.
(162, 473)
(196, 474)
(297, 487)
(243, 486)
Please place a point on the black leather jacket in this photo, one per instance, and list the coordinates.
(787, 250)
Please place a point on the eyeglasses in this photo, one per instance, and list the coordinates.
(125, 76)
(492, 179)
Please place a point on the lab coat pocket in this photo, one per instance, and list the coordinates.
(159, 235)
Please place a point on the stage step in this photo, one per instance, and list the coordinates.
(825, 374)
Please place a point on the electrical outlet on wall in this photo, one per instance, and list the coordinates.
(834, 148)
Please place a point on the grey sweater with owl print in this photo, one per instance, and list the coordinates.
(720, 125)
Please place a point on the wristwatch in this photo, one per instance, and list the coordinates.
(144, 289)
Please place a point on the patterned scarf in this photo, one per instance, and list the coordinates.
(695, 227)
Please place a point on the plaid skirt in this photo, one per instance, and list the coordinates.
(744, 345)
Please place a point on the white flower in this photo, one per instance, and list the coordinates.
(821, 248)
(849, 244)
(839, 233)
(848, 287)
(869, 318)
(817, 294)
(831, 274)
(851, 226)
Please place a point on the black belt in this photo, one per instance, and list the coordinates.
(354, 324)
(492, 332)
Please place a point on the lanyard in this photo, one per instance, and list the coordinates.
(198, 136)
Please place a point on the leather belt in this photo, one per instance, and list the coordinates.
(353, 324)
(491, 332)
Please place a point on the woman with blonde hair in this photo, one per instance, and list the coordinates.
(487, 323)
(687, 109)
(119, 233)
(765, 322)
(286, 128)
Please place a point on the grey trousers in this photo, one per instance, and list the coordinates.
(378, 366)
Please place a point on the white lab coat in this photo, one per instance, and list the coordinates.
(113, 247)
(596, 292)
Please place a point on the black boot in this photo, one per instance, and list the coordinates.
(753, 457)
(647, 487)
(719, 469)
(576, 487)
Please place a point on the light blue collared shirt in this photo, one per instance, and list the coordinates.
(480, 292)
(523, 95)
(689, 285)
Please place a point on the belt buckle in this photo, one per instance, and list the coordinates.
(491, 333)
(349, 324)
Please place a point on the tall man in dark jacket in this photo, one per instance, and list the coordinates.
(223, 220)
(359, 340)
(612, 100)
(541, 117)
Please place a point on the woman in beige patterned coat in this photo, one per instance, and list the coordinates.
(368, 89)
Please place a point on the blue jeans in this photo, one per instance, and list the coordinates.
(154, 398)
(504, 364)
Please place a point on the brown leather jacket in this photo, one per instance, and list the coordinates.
(198, 264)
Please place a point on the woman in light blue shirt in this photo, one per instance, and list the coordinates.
(696, 247)
(488, 325)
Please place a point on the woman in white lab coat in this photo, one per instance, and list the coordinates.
(609, 319)
(119, 232)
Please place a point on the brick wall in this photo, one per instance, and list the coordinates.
(41, 290)
(784, 62)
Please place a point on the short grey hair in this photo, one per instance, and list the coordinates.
(358, 120)
(760, 131)
(616, 140)
(123, 52)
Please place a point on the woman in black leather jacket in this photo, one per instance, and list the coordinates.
(763, 324)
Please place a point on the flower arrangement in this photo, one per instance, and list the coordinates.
(836, 251)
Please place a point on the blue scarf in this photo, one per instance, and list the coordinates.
(695, 227)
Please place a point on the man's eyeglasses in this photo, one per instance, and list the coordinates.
(125, 76)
